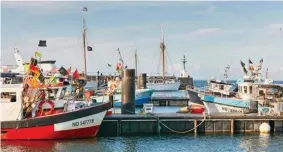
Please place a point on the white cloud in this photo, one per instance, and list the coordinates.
(207, 31)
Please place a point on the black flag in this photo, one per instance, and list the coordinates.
(250, 62)
(243, 64)
(42, 43)
(63, 71)
(89, 48)
(84, 9)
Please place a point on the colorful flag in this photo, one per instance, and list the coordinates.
(33, 61)
(37, 54)
(69, 70)
(76, 74)
(251, 66)
(26, 67)
(41, 78)
(63, 71)
(52, 80)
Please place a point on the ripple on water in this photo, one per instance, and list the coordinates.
(166, 143)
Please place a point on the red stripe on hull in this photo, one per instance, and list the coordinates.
(47, 132)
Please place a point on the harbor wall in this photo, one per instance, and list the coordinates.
(120, 125)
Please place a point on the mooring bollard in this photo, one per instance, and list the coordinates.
(143, 81)
(128, 105)
(111, 100)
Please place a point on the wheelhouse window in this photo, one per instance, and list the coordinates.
(261, 93)
(251, 89)
(8, 97)
(245, 89)
(221, 87)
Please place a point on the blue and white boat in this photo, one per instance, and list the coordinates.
(142, 96)
(253, 94)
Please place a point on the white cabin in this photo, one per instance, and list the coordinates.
(11, 102)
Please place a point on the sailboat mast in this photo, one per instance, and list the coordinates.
(136, 60)
(84, 41)
(162, 46)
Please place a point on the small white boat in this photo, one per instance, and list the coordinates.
(172, 85)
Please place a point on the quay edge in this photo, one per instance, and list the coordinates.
(120, 125)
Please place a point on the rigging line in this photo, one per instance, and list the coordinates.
(173, 68)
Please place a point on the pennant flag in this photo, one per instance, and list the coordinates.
(37, 54)
(26, 68)
(109, 65)
(89, 48)
(69, 70)
(42, 43)
(63, 71)
(76, 74)
(251, 66)
(53, 70)
(84, 9)
(261, 61)
(34, 69)
(52, 80)
(245, 70)
(243, 64)
(33, 61)
(117, 67)
(41, 78)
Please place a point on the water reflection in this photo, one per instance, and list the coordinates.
(252, 142)
(163, 143)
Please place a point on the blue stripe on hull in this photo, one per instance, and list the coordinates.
(227, 101)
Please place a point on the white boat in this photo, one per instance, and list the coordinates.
(167, 86)
(253, 95)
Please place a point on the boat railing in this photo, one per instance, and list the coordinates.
(206, 90)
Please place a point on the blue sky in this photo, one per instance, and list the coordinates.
(210, 34)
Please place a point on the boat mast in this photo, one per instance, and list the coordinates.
(162, 46)
(136, 59)
(84, 41)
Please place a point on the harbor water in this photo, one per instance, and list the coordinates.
(212, 143)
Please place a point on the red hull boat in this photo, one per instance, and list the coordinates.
(76, 124)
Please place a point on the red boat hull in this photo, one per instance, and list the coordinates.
(48, 132)
(82, 123)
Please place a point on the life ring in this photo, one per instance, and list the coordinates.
(51, 111)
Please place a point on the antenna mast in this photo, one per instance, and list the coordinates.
(184, 60)
(84, 41)
(226, 73)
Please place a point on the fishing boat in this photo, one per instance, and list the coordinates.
(254, 94)
(163, 84)
(18, 122)
(214, 87)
